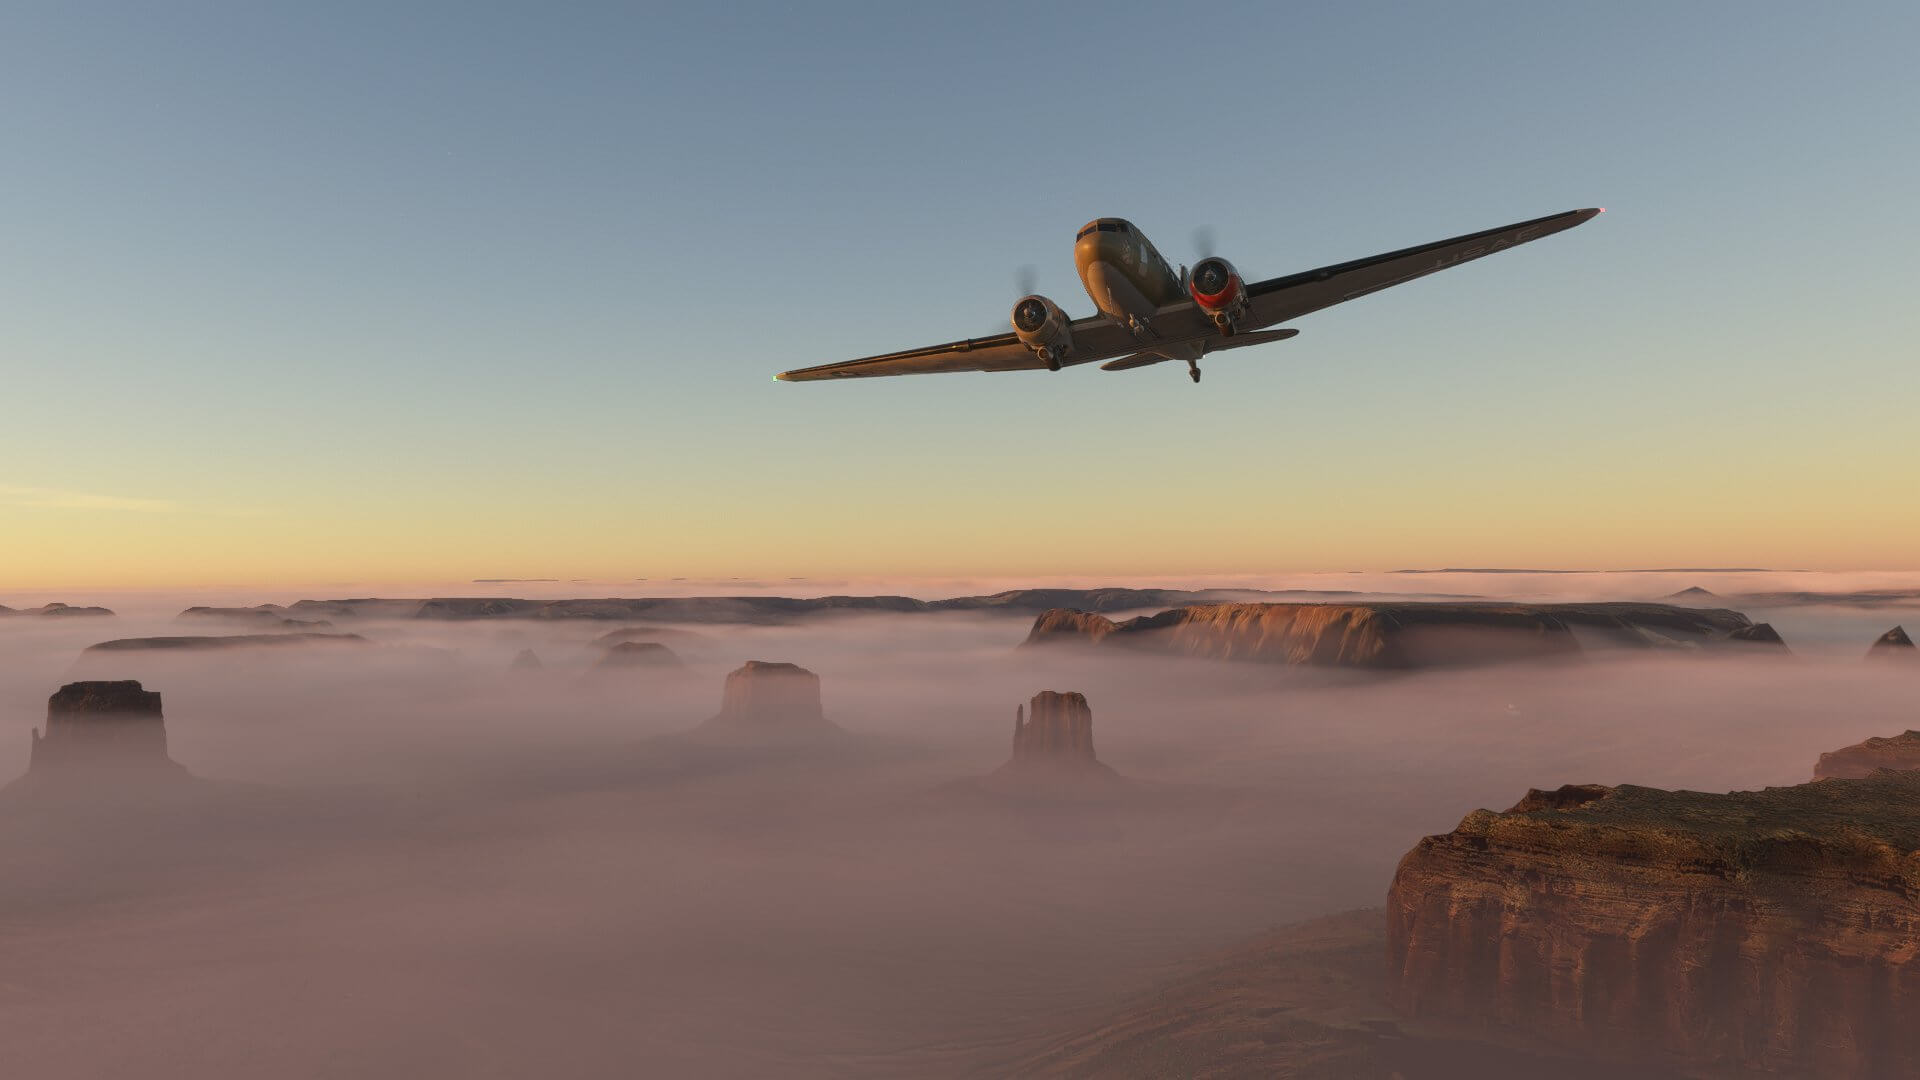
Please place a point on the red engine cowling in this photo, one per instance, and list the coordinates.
(1217, 289)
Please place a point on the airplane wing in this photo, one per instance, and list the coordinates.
(1283, 298)
(1094, 338)
(1272, 301)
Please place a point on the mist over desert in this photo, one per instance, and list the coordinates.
(411, 855)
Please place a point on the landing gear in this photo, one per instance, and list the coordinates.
(1193, 371)
(1139, 328)
(1048, 357)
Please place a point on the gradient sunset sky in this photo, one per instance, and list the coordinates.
(392, 292)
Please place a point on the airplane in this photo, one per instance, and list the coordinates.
(1149, 313)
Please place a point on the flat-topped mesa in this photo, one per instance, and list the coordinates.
(1053, 737)
(1406, 634)
(56, 610)
(1894, 646)
(1722, 934)
(1900, 753)
(637, 655)
(768, 701)
(103, 727)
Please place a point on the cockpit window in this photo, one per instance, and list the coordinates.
(1088, 231)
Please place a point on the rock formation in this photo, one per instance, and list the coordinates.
(1054, 740)
(1693, 595)
(224, 641)
(1066, 626)
(110, 728)
(1757, 634)
(1900, 753)
(1398, 634)
(631, 655)
(56, 610)
(1767, 931)
(526, 660)
(1894, 645)
(263, 615)
(768, 702)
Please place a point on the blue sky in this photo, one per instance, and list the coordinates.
(359, 278)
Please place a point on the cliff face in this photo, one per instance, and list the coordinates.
(1770, 931)
(1063, 625)
(1053, 742)
(1404, 635)
(1895, 646)
(766, 701)
(1900, 753)
(102, 727)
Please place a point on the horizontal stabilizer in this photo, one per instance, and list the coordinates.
(1241, 341)
(1209, 345)
(1139, 359)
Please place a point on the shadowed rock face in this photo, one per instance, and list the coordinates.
(1758, 634)
(628, 655)
(1770, 931)
(102, 727)
(1398, 635)
(766, 701)
(526, 660)
(1895, 646)
(1053, 742)
(1899, 753)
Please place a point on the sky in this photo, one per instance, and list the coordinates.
(434, 291)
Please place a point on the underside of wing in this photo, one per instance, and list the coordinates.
(1285, 298)
(1094, 338)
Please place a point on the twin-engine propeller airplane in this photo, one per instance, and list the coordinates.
(1150, 313)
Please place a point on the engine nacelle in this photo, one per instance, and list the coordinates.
(1217, 290)
(1041, 326)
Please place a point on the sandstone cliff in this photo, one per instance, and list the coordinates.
(103, 728)
(1769, 931)
(1900, 753)
(1054, 742)
(770, 702)
(1404, 635)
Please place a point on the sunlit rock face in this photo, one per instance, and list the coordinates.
(1064, 625)
(1757, 932)
(1053, 740)
(1900, 753)
(1408, 634)
(767, 701)
(103, 728)
(1894, 646)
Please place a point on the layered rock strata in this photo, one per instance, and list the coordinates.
(1899, 753)
(1401, 635)
(1766, 931)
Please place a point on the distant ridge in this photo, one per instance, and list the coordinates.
(1650, 570)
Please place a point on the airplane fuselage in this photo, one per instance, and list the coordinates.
(1123, 273)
